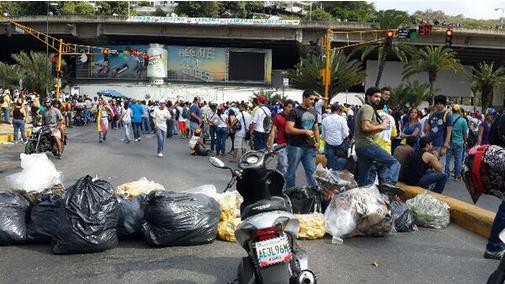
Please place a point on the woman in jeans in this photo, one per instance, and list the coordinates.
(18, 121)
(222, 131)
(126, 121)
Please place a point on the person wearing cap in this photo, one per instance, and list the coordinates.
(424, 169)
(7, 101)
(485, 127)
(368, 124)
(439, 127)
(334, 132)
(459, 136)
(54, 119)
(160, 116)
(257, 132)
(197, 145)
(303, 139)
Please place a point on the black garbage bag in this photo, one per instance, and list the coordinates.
(305, 200)
(13, 210)
(131, 217)
(88, 218)
(402, 217)
(180, 219)
(44, 219)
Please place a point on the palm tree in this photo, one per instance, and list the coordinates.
(389, 19)
(345, 73)
(9, 75)
(410, 93)
(431, 60)
(485, 77)
(35, 70)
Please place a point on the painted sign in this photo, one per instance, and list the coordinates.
(121, 61)
(211, 21)
(189, 63)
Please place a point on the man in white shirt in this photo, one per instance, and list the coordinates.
(244, 118)
(257, 132)
(160, 116)
(335, 130)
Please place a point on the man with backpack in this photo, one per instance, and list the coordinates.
(439, 128)
(261, 125)
(457, 147)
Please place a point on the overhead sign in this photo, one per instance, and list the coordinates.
(211, 21)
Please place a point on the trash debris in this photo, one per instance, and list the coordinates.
(180, 219)
(305, 200)
(135, 188)
(44, 219)
(311, 226)
(38, 174)
(88, 218)
(13, 209)
(226, 229)
(207, 189)
(130, 217)
(402, 217)
(229, 202)
(429, 212)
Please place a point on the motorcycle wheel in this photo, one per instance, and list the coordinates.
(30, 147)
(55, 150)
(245, 272)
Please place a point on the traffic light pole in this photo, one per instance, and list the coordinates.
(327, 75)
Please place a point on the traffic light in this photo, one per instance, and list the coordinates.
(448, 37)
(389, 37)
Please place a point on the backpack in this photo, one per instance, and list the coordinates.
(267, 122)
(185, 113)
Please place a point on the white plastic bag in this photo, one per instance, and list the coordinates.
(135, 188)
(206, 189)
(38, 173)
(429, 212)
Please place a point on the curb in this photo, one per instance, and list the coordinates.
(9, 137)
(466, 215)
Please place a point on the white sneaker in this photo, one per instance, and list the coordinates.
(160, 155)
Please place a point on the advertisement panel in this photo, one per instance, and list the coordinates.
(121, 61)
(189, 63)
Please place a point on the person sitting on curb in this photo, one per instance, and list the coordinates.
(403, 152)
(197, 145)
(424, 169)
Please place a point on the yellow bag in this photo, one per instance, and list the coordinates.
(226, 230)
(230, 205)
(311, 226)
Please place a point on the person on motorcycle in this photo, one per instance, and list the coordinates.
(54, 119)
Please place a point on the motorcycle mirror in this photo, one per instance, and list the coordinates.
(502, 236)
(216, 162)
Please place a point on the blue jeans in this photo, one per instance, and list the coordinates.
(222, 133)
(146, 125)
(494, 244)
(213, 136)
(431, 177)
(5, 112)
(160, 135)
(87, 116)
(456, 151)
(259, 140)
(137, 129)
(334, 162)
(127, 126)
(19, 124)
(305, 155)
(282, 161)
(389, 167)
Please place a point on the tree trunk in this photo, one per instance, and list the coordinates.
(432, 77)
(487, 97)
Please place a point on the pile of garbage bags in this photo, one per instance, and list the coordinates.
(135, 188)
(429, 212)
(312, 226)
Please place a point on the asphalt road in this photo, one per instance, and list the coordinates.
(450, 255)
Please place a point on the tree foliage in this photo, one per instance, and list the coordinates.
(410, 94)
(77, 8)
(485, 77)
(109, 8)
(319, 15)
(352, 11)
(198, 8)
(345, 73)
(432, 60)
(9, 75)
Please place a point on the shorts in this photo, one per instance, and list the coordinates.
(181, 125)
(239, 142)
(56, 133)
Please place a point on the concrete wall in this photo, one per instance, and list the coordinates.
(449, 83)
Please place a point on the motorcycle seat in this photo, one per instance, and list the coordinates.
(265, 205)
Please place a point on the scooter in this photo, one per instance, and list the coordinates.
(42, 141)
(268, 229)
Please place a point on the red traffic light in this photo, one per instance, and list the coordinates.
(390, 34)
(449, 33)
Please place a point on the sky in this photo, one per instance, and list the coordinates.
(479, 9)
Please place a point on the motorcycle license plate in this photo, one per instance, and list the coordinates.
(273, 251)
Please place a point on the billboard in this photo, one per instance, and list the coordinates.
(121, 61)
(188, 63)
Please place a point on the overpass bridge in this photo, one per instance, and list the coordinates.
(285, 38)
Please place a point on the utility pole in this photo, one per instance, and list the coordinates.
(327, 75)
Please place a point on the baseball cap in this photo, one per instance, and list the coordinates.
(262, 99)
(456, 107)
(490, 111)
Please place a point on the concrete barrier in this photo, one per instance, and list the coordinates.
(466, 215)
(9, 137)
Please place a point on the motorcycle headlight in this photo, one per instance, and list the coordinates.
(36, 129)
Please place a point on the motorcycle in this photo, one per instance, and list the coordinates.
(268, 229)
(79, 119)
(42, 140)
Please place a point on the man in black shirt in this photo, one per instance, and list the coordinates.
(303, 139)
